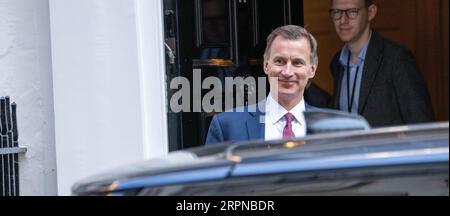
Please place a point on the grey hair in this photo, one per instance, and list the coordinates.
(293, 32)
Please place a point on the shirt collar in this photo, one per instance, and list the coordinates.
(362, 54)
(276, 112)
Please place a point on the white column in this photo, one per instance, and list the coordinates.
(26, 76)
(150, 38)
(109, 86)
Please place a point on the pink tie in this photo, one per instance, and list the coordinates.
(287, 131)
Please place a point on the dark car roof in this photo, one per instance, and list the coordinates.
(424, 143)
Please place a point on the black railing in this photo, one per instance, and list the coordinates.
(9, 149)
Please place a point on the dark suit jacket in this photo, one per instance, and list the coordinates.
(393, 91)
(239, 126)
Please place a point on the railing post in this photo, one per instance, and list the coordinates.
(9, 148)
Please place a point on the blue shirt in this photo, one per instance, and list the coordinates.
(343, 102)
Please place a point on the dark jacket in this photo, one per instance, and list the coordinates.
(393, 91)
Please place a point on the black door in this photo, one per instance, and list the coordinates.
(222, 38)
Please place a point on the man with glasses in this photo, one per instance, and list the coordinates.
(373, 76)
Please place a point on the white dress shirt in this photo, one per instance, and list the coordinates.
(275, 120)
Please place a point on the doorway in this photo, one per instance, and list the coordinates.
(221, 39)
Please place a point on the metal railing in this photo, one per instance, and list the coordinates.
(9, 149)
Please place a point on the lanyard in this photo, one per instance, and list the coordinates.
(350, 100)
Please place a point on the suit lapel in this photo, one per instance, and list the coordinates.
(309, 107)
(336, 66)
(372, 64)
(339, 87)
(256, 125)
(255, 130)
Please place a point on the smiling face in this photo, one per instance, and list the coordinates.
(289, 68)
(351, 30)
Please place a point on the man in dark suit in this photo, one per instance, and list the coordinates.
(290, 61)
(373, 76)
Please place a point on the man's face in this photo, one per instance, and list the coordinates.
(351, 29)
(289, 67)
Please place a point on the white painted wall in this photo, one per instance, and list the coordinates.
(109, 85)
(26, 76)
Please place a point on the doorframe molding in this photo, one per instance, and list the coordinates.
(152, 73)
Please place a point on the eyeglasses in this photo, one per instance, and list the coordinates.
(351, 13)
